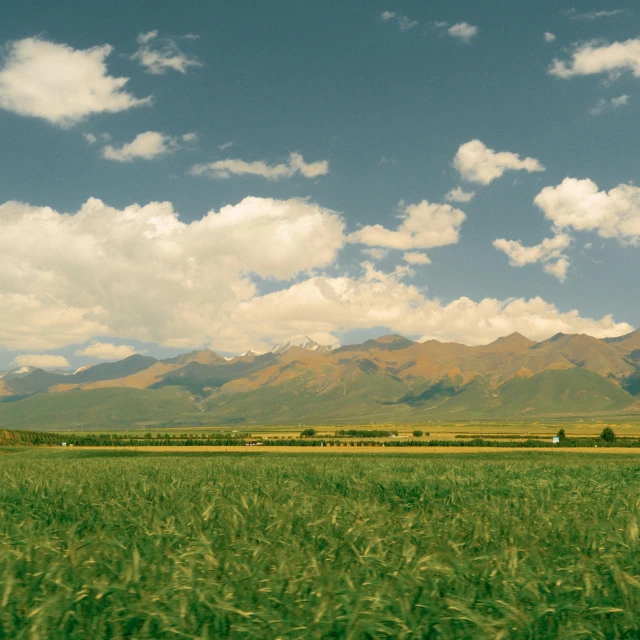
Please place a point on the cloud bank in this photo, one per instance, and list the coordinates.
(141, 273)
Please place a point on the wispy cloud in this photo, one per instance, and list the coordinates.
(463, 31)
(574, 14)
(459, 195)
(549, 37)
(404, 23)
(158, 55)
(605, 105)
(146, 146)
(237, 167)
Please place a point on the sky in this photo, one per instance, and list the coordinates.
(232, 174)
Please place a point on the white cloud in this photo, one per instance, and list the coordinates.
(60, 84)
(225, 145)
(549, 37)
(323, 304)
(594, 58)
(375, 252)
(595, 15)
(142, 273)
(143, 38)
(620, 101)
(89, 137)
(459, 195)
(189, 137)
(42, 361)
(415, 257)
(614, 103)
(463, 31)
(549, 251)
(148, 146)
(158, 55)
(558, 269)
(477, 163)
(578, 204)
(107, 351)
(237, 167)
(423, 225)
(404, 23)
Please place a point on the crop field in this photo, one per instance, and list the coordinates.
(122, 544)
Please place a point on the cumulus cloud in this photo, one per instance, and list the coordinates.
(323, 304)
(549, 252)
(580, 205)
(549, 37)
(614, 103)
(107, 351)
(237, 167)
(477, 163)
(159, 55)
(148, 146)
(594, 57)
(404, 23)
(463, 31)
(142, 273)
(42, 361)
(60, 84)
(459, 195)
(423, 225)
(90, 138)
(415, 257)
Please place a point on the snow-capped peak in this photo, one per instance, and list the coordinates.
(86, 366)
(303, 342)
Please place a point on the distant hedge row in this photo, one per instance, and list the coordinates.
(36, 438)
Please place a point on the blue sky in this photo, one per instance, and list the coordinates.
(310, 153)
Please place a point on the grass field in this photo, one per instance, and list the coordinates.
(123, 544)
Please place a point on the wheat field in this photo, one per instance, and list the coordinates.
(122, 544)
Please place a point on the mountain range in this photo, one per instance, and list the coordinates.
(390, 379)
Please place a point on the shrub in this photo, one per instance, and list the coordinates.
(608, 435)
(308, 433)
(562, 435)
(417, 433)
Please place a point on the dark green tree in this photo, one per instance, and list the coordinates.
(417, 433)
(608, 435)
(308, 433)
(562, 435)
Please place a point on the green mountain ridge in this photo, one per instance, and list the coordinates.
(391, 379)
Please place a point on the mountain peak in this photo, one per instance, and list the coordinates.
(303, 342)
(513, 340)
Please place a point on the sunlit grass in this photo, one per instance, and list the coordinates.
(126, 544)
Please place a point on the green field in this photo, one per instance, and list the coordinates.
(143, 545)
